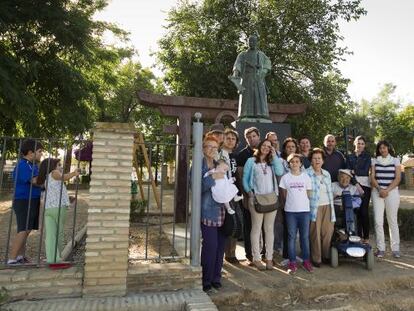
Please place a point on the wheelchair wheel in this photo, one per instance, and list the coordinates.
(369, 260)
(334, 257)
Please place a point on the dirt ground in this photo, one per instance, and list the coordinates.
(149, 233)
(390, 286)
(32, 250)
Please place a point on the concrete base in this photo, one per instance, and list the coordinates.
(188, 300)
(282, 130)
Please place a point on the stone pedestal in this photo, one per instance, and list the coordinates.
(106, 255)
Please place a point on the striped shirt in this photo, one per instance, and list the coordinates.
(385, 172)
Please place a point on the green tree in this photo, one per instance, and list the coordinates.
(300, 37)
(383, 118)
(50, 52)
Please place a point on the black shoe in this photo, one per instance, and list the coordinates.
(216, 285)
(207, 289)
(232, 260)
(326, 261)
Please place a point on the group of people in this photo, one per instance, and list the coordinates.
(308, 184)
(31, 181)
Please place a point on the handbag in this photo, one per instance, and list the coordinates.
(266, 203)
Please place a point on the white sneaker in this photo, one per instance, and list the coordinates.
(13, 262)
(237, 198)
(230, 210)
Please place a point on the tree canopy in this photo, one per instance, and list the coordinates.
(52, 60)
(384, 118)
(301, 38)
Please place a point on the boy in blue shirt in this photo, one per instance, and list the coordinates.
(26, 199)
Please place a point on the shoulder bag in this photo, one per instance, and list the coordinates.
(266, 203)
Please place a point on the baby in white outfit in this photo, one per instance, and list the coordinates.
(224, 190)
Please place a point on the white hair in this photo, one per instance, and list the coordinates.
(325, 140)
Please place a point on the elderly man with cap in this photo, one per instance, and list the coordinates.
(217, 131)
(344, 184)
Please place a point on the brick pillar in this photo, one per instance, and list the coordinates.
(106, 256)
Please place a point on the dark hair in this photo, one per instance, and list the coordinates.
(303, 137)
(360, 137)
(386, 144)
(30, 145)
(285, 142)
(251, 130)
(316, 151)
(258, 153)
(45, 168)
(229, 131)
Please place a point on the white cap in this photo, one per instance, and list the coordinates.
(346, 172)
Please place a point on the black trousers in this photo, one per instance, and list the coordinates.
(363, 214)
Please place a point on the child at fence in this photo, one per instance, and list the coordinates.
(296, 186)
(224, 189)
(26, 199)
(56, 203)
(338, 187)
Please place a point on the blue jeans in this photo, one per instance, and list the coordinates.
(294, 222)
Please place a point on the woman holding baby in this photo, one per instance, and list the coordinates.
(212, 218)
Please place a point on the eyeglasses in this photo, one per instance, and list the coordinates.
(210, 147)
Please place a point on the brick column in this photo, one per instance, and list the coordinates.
(106, 256)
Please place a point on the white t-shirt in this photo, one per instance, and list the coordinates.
(296, 186)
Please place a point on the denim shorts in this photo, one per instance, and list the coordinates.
(22, 210)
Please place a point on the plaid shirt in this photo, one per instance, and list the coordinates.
(220, 220)
(314, 197)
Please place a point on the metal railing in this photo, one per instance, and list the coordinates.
(155, 233)
(30, 232)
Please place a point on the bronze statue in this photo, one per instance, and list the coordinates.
(249, 72)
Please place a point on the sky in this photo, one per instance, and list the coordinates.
(381, 42)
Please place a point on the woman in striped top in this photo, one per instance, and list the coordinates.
(385, 178)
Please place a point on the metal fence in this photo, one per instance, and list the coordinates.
(160, 209)
(156, 232)
(40, 221)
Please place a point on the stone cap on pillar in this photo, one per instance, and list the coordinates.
(116, 127)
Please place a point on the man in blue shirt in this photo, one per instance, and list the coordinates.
(26, 199)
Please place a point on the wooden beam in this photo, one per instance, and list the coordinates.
(141, 144)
